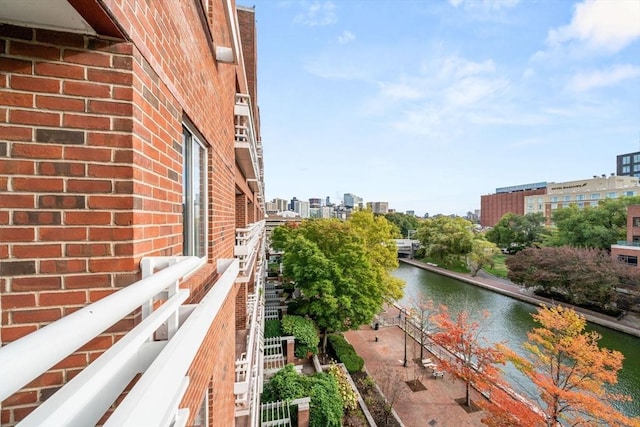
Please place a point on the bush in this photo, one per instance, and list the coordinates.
(304, 330)
(346, 353)
(349, 399)
(325, 408)
(272, 328)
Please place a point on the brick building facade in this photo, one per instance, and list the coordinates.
(505, 200)
(134, 134)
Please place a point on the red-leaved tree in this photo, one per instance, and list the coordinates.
(472, 358)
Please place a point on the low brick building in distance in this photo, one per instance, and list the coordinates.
(505, 200)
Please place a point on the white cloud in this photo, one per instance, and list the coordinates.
(317, 14)
(399, 91)
(604, 25)
(346, 37)
(460, 67)
(582, 82)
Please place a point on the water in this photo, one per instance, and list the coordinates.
(510, 321)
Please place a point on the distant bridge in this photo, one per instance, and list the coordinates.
(407, 247)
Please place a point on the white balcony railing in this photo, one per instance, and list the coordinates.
(250, 366)
(248, 148)
(247, 246)
(163, 365)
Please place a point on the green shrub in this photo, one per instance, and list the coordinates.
(272, 328)
(304, 330)
(325, 408)
(346, 353)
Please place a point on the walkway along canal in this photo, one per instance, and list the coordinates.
(511, 319)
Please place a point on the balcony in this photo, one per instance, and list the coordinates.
(249, 247)
(247, 147)
(160, 349)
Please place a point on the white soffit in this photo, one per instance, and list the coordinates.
(49, 14)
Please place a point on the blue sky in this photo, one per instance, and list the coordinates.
(430, 104)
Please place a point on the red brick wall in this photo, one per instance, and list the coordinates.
(495, 206)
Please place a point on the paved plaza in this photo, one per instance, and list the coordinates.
(435, 406)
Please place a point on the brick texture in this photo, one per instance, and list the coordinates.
(91, 161)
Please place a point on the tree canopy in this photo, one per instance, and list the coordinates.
(593, 226)
(404, 222)
(571, 371)
(580, 275)
(341, 268)
(446, 238)
(515, 232)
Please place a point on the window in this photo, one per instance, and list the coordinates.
(628, 259)
(194, 195)
(626, 160)
(612, 195)
(595, 196)
(554, 206)
(554, 199)
(629, 193)
(636, 167)
(636, 221)
(594, 204)
(626, 169)
(580, 197)
(202, 416)
(636, 158)
(580, 205)
(567, 198)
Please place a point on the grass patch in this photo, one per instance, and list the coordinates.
(500, 268)
(458, 266)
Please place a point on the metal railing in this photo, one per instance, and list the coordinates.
(245, 138)
(247, 248)
(155, 398)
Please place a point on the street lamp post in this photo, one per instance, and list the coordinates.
(405, 364)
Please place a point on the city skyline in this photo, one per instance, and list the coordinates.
(430, 105)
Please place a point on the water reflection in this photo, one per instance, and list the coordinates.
(510, 321)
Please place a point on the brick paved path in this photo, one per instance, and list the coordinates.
(435, 406)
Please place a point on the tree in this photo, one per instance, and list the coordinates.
(571, 371)
(515, 232)
(446, 238)
(392, 388)
(473, 359)
(482, 254)
(591, 227)
(342, 269)
(423, 310)
(404, 222)
(579, 275)
(378, 237)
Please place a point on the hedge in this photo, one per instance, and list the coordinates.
(346, 353)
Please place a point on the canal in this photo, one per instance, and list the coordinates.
(510, 321)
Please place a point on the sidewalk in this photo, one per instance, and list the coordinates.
(629, 324)
(435, 406)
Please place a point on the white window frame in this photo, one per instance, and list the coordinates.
(195, 214)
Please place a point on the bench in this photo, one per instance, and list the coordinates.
(437, 374)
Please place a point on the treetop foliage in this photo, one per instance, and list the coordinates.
(342, 268)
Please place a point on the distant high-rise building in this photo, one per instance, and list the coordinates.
(378, 207)
(301, 207)
(411, 213)
(352, 201)
(281, 204)
(292, 204)
(315, 203)
(628, 164)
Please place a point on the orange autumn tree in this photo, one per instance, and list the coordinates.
(571, 371)
(473, 359)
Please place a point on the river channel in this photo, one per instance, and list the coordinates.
(509, 322)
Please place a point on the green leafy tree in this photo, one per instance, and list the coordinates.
(342, 269)
(515, 232)
(404, 222)
(482, 254)
(580, 275)
(592, 227)
(377, 234)
(446, 238)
